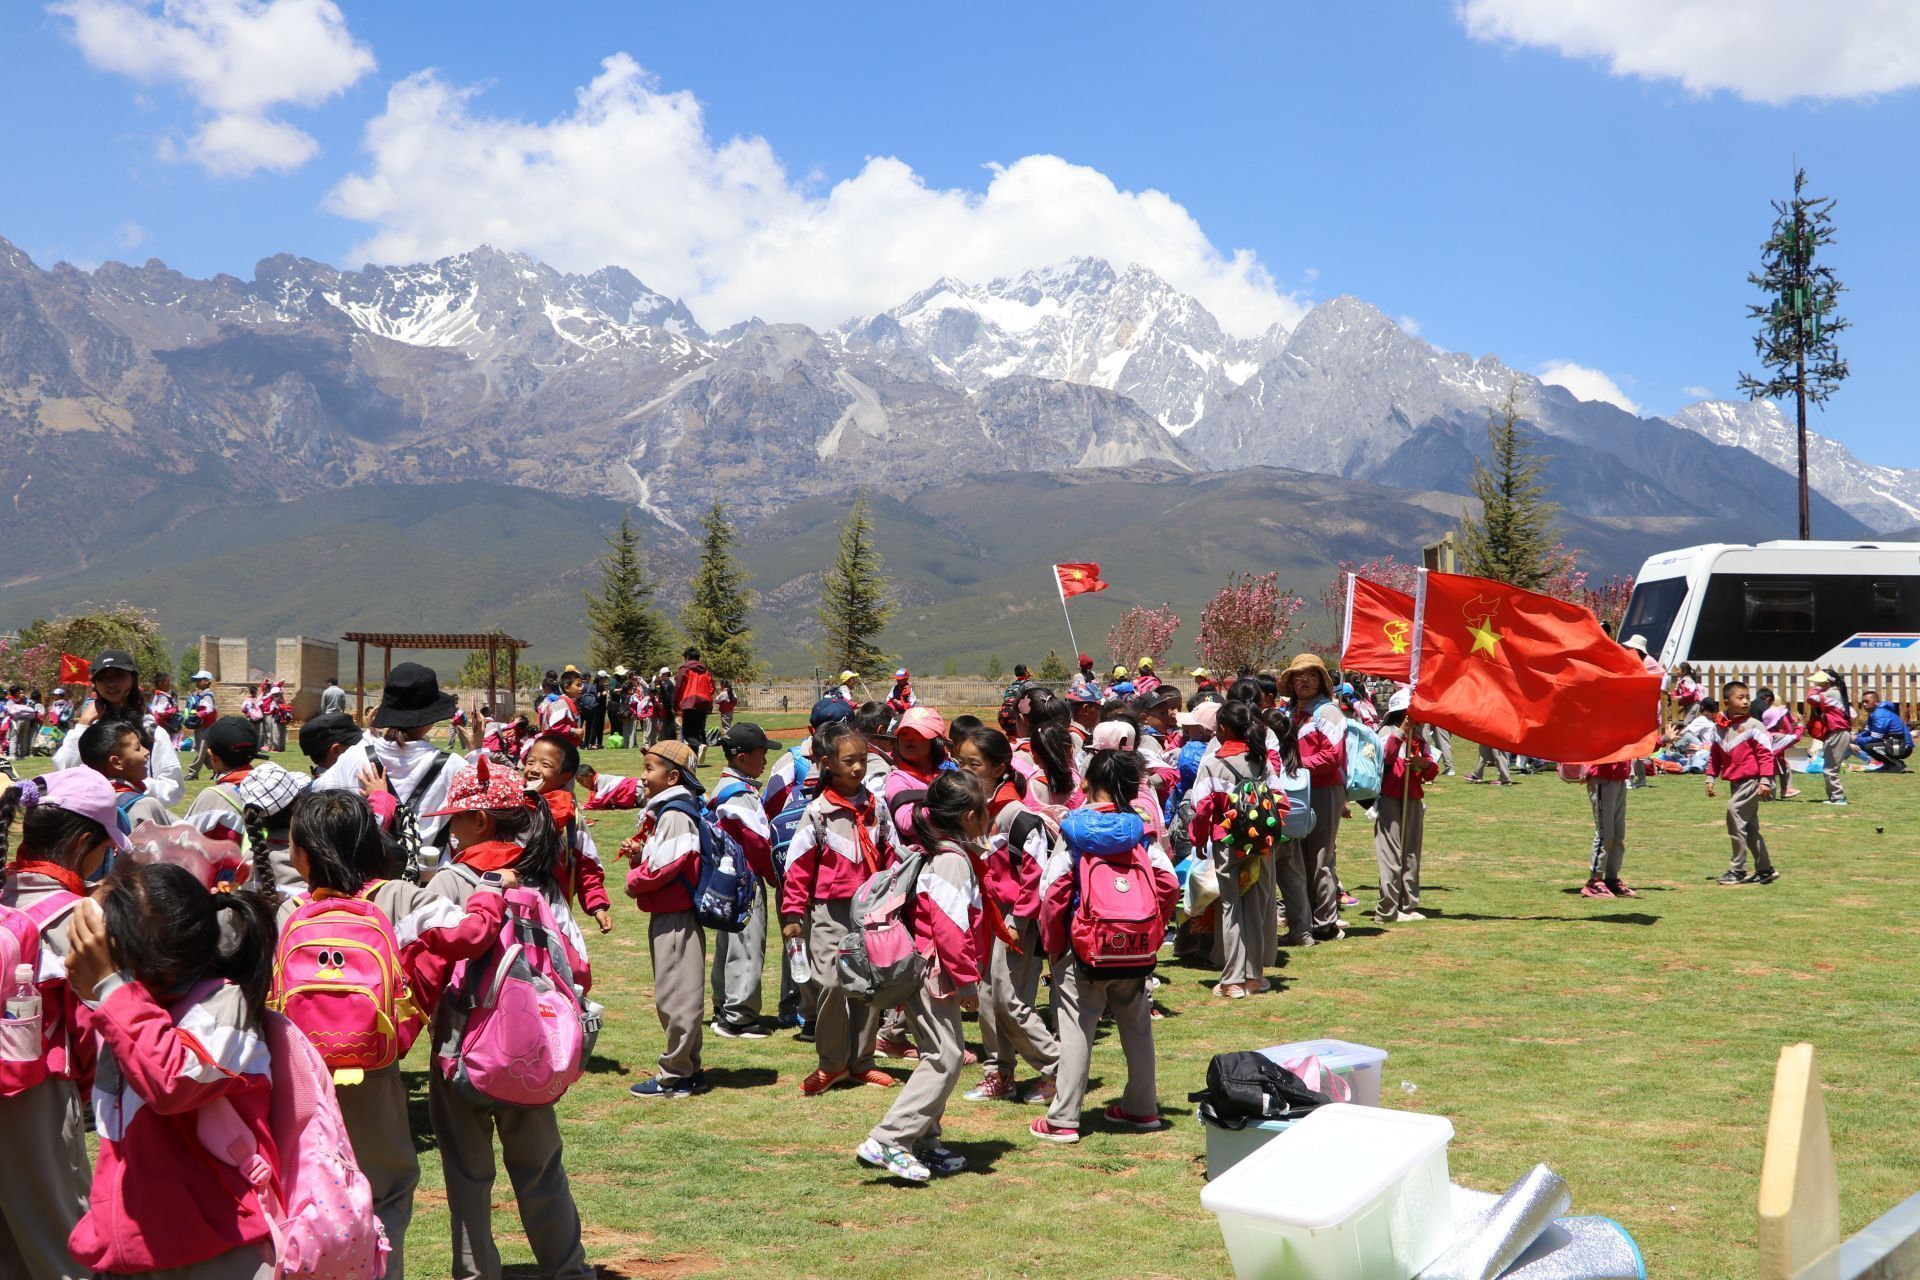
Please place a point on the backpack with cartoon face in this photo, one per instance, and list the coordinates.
(337, 976)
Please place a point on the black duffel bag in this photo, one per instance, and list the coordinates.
(1245, 1088)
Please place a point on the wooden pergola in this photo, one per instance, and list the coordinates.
(387, 641)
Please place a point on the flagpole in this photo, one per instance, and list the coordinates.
(1346, 625)
(1419, 631)
(1061, 588)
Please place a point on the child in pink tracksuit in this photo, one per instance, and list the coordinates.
(175, 980)
(1742, 756)
(945, 918)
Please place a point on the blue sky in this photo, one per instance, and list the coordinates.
(1545, 180)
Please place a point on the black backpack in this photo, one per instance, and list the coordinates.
(1245, 1088)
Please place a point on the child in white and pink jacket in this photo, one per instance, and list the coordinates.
(945, 916)
(175, 980)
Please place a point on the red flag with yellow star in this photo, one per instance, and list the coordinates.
(1078, 579)
(1379, 630)
(1527, 673)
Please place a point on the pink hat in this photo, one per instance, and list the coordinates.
(1206, 716)
(1112, 735)
(80, 791)
(482, 785)
(924, 721)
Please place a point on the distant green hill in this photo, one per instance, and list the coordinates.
(970, 562)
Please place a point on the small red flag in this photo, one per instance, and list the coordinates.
(1078, 579)
(1379, 630)
(74, 670)
(1527, 673)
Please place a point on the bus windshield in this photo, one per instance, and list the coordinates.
(1652, 610)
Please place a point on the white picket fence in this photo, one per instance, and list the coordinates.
(1790, 682)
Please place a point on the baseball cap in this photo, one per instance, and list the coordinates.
(1205, 715)
(925, 722)
(1112, 735)
(1158, 696)
(1082, 693)
(1400, 701)
(744, 736)
(1120, 672)
(322, 732)
(236, 739)
(203, 674)
(682, 758)
(270, 788)
(80, 791)
(828, 710)
(848, 675)
(114, 660)
(901, 674)
(481, 784)
(60, 691)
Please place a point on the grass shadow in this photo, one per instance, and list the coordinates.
(741, 1077)
(600, 1064)
(1617, 917)
(981, 1154)
(419, 1120)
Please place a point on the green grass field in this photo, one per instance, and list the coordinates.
(1630, 1046)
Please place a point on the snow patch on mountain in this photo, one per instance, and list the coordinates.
(1887, 498)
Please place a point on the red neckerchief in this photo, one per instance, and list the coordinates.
(862, 815)
(68, 880)
(1005, 795)
(490, 855)
(560, 804)
(236, 777)
(122, 787)
(916, 774)
(990, 913)
(1228, 750)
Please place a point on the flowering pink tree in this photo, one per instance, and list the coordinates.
(1246, 624)
(1142, 633)
(1609, 603)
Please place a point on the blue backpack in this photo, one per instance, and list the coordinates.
(1298, 788)
(787, 821)
(1366, 759)
(724, 887)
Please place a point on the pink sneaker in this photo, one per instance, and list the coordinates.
(1143, 1124)
(1596, 889)
(1052, 1132)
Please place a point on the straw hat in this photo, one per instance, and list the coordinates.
(1307, 662)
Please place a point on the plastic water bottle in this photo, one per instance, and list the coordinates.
(23, 998)
(798, 963)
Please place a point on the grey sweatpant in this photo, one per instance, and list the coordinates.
(1441, 743)
(375, 1111)
(843, 1032)
(1498, 759)
(1833, 751)
(1743, 826)
(1079, 999)
(914, 1118)
(1322, 873)
(1010, 1027)
(1248, 929)
(530, 1143)
(739, 960)
(1396, 852)
(1609, 801)
(679, 948)
(41, 1202)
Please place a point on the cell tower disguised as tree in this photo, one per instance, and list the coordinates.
(1798, 321)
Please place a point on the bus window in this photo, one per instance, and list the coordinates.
(1651, 611)
(1780, 607)
(1886, 602)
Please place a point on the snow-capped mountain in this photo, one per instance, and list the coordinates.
(1884, 497)
(1076, 321)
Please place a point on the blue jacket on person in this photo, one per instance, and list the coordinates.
(1884, 722)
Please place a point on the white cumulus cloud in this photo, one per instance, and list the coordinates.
(1585, 383)
(630, 176)
(1697, 393)
(236, 59)
(1769, 51)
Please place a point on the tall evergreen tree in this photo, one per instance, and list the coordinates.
(715, 617)
(624, 626)
(1513, 539)
(854, 608)
(1797, 321)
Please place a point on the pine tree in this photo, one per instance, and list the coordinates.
(1053, 668)
(1513, 540)
(715, 618)
(625, 627)
(854, 608)
(1797, 320)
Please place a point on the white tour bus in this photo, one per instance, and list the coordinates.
(1851, 603)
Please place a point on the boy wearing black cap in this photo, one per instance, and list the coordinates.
(232, 744)
(736, 807)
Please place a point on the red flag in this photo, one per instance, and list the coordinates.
(1078, 579)
(1379, 630)
(74, 670)
(1526, 673)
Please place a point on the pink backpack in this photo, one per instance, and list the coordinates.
(1117, 920)
(515, 1034)
(337, 976)
(31, 1049)
(317, 1203)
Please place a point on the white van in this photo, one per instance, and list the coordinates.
(1780, 602)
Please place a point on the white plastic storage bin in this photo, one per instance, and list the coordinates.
(1228, 1147)
(1358, 1063)
(1348, 1193)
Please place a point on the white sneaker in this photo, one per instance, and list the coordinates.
(897, 1161)
(1406, 917)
